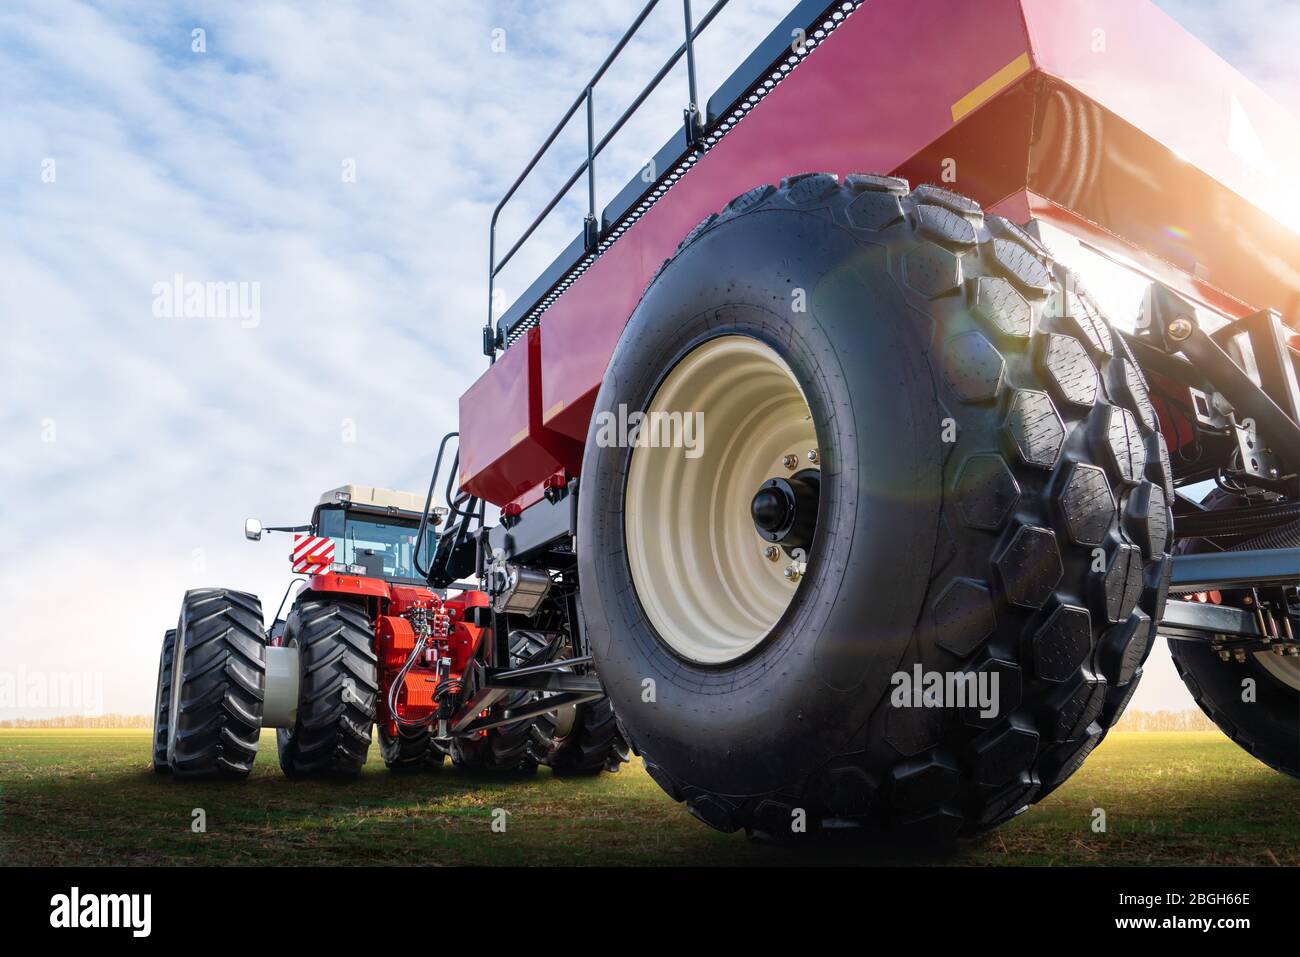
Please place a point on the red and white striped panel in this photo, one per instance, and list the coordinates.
(312, 555)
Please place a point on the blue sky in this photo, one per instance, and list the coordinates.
(137, 443)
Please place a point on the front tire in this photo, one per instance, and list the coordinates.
(218, 685)
(162, 702)
(337, 689)
(991, 502)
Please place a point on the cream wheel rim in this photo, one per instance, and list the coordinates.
(1285, 668)
(711, 586)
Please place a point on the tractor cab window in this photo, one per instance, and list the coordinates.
(385, 547)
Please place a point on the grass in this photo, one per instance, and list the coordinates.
(88, 797)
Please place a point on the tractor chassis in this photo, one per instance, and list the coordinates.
(1267, 626)
(562, 687)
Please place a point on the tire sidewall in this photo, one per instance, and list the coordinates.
(1269, 722)
(178, 681)
(284, 737)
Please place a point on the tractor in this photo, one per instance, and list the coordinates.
(966, 448)
(369, 643)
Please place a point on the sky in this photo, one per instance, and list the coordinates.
(338, 164)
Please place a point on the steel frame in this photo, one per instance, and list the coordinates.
(592, 227)
(564, 687)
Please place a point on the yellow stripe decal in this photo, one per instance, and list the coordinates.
(553, 411)
(518, 437)
(994, 84)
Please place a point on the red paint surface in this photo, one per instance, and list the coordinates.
(877, 96)
(839, 112)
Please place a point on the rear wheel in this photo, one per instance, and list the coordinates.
(162, 702)
(411, 750)
(1255, 701)
(218, 685)
(581, 740)
(923, 457)
(338, 687)
(507, 748)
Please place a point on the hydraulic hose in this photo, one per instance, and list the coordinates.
(1288, 536)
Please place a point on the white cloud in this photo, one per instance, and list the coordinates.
(1258, 37)
(226, 166)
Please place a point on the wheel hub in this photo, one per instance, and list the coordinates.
(785, 510)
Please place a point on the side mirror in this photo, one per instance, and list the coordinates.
(252, 530)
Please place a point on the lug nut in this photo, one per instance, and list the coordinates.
(772, 553)
(790, 461)
(1180, 329)
(791, 573)
(813, 456)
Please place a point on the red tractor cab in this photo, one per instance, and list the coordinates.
(361, 540)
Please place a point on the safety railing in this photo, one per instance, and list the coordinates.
(694, 121)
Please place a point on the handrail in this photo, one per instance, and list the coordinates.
(592, 228)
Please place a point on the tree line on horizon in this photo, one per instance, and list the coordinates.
(1186, 720)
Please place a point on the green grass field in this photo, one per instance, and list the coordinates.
(88, 797)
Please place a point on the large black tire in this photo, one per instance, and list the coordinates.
(585, 744)
(1267, 727)
(218, 685)
(970, 555)
(507, 748)
(338, 686)
(162, 702)
(411, 750)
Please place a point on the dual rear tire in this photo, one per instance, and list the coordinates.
(212, 683)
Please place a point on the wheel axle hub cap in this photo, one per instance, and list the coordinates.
(785, 510)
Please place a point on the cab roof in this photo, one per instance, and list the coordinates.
(368, 496)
